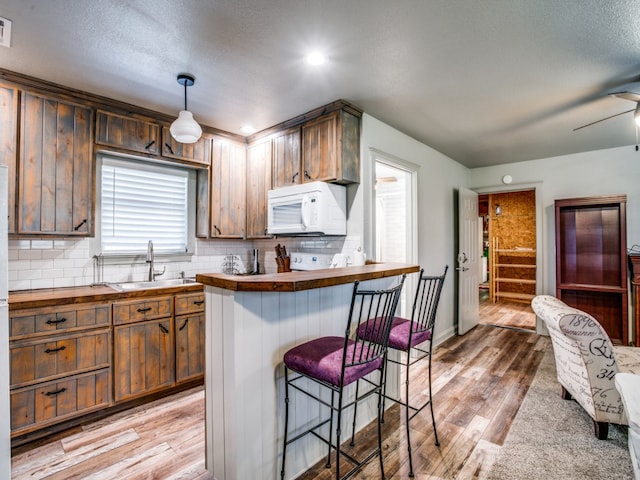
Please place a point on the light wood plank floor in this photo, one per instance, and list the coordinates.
(506, 314)
(479, 383)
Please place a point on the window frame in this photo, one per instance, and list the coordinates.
(138, 257)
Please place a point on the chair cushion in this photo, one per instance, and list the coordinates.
(399, 335)
(322, 359)
(627, 358)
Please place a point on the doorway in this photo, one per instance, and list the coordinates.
(395, 215)
(508, 274)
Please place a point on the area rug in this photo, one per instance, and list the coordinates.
(552, 438)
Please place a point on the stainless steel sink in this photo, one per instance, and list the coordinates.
(129, 286)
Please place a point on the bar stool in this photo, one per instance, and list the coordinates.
(336, 362)
(412, 335)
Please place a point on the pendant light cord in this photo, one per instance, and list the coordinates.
(185, 98)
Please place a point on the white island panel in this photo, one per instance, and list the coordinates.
(247, 335)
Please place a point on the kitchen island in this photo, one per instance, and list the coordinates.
(251, 321)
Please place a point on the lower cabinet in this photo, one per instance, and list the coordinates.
(60, 364)
(143, 358)
(71, 360)
(189, 328)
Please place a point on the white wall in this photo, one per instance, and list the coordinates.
(602, 172)
(438, 180)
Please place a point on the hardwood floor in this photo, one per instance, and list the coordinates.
(480, 380)
(506, 314)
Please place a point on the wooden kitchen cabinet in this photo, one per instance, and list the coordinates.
(190, 336)
(8, 145)
(56, 174)
(591, 259)
(198, 152)
(331, 148)
(143, 336)
(228, 189)
(287, 160)
(60, 364)
(258, 184)
(126, 132)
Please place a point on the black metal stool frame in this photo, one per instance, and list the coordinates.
(384, 308)
(425, 308)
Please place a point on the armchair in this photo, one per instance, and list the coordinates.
(587, 361)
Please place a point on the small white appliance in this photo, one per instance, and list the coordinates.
(314, 208)
(310, 261)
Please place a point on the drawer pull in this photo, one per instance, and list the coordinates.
(144, 310)
(54, 350)
(55, 392)
(184, 324)
(146, 147)
(55, 322)
(169, 148)
(77, 227)
(163, 328)
(198, 302)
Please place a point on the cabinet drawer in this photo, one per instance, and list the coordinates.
(189, 303)
(49, 358)
(44, 321)
(141, 310)
(47, 403)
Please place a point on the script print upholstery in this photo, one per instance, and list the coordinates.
(586, 360)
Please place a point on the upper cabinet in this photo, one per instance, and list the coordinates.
(228, 188)
(8, 143)
(258, 184)
(331, 148)
(198, 152)
(287, 161)
(129, 133)
(56, 174)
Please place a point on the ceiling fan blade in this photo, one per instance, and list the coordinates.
(603, 119)
(634, 97)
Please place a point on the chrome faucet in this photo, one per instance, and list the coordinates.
(150, 260)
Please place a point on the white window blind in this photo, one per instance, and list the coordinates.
(142, 202)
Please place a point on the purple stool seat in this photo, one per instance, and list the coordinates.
(322, 359)
(400, 335)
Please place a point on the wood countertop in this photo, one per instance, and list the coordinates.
(46, 297)
(304, 280)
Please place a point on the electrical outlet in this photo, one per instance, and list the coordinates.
(5, 32)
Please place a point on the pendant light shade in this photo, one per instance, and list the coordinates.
(185, 129)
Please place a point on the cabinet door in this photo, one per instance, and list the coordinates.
(190, 345)
(228, 200)
(56, 168)
(319, 149)
(258, 183)
(143, 358)
(8, 143)
(286, 158)
(198, 152)
(129, 133)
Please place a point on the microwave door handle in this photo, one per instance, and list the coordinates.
(305, 212)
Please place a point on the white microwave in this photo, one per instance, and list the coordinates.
(314, 208)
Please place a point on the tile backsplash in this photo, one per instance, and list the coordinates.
(68, 262)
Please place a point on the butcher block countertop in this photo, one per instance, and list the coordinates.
(46, 297)
(304, 280)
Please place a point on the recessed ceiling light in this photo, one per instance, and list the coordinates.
(315, 58)
(248, 129)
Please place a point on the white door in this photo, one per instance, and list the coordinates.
(468, 261)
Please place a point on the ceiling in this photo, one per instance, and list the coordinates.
(484, 82)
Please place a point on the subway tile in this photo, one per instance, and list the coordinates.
(20, 285)
(30, 254)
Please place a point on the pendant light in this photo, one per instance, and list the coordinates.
(185, 129)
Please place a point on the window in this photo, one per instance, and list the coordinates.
(141, 201)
